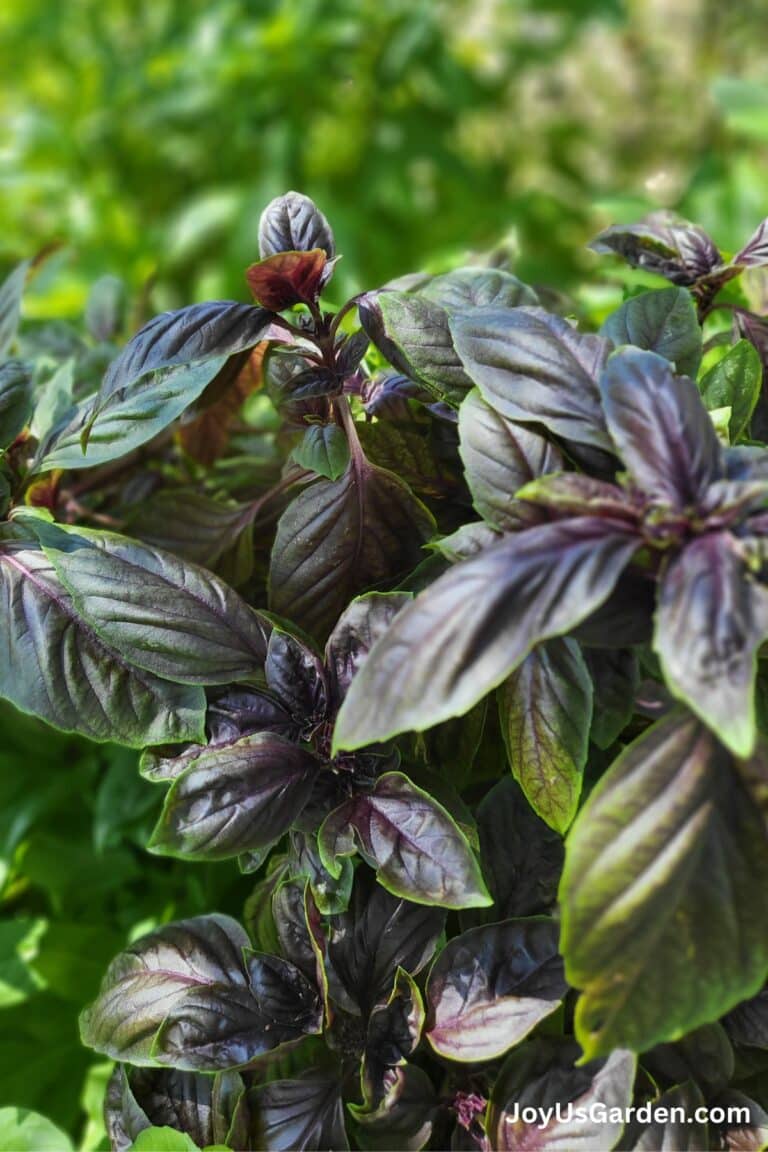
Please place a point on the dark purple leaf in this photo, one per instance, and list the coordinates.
(402, 1118)
(417, 849)
(211, 1028)
(292, 223)
(357, 630)
(747, 1023)
(477, 623)
(626, 617)
(658, 892)
(154, 974)
(235, 799)
(749, 1134)
(543, 1074)
(491, 986)
(712, 618)
(231, 714)
(534, 367)
(545, 710)
(616, 677)
(661, 429)
(664, 322)
(339, 538)
(376, 936)
(291, 904)
(499, 458)
(662, 243)
(662, 1129)
(301, 1115)
(288, 278)
(704, 1056)
(291, 379)
(393, 1034)
(295, 674)
(201, 1106)
(522, 857)
(754, 254)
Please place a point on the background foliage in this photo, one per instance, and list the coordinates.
(146, 137)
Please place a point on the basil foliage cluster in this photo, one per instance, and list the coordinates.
(442, 616)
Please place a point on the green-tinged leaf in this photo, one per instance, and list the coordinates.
(453, 746)
(163, 1140)
(235, 799)
(522, 857)
(491, 986)
(165, 615)
(471, 628)
(71, 956)
(466, 542)
(300, 1115)
(712, 617)
(545, 708)
(339, 538)
(542, 1074)
(663, 321)
(323, 449)
(57, 667)
(11, 291)
(658, 892)
(55, 402)
(417, 849)
(127, 422)
(499, 458)
(15, 400)
(534, 367)
(735, 382)
(105, 308)
(477, 288)
(410, 452)
(41, 1071)
(187, 338)
(214, 1027)
(413, 333)
(19, 945)
(24, 1131)
(143, 983)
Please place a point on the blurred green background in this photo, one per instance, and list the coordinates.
(146, 136)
